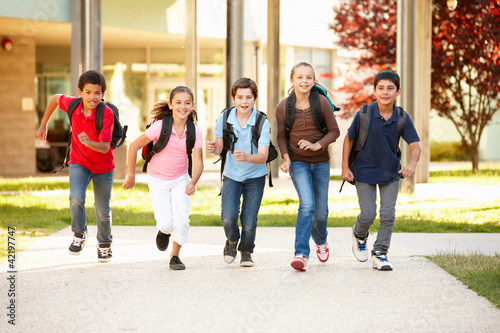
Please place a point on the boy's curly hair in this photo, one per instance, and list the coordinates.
(92, 77)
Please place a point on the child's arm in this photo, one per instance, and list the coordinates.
(101, 147)
(215, 147)
(41, 133)
(409, 169)
(197, 170)
(132, 159)
(346, 150)
(259, 158)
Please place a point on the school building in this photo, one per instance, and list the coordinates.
(145, 53)
(145, 49)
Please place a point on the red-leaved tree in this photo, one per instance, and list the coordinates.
(465, 58)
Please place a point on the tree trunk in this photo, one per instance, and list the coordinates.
(475, 159)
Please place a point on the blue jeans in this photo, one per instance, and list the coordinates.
(367, 198)
(252, 191)
(79, 179)
(311, 182)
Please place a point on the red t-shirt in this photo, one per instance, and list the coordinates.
(94, 161)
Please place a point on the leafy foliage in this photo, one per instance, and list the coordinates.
(465, 58)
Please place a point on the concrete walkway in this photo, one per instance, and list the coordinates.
(137, 292)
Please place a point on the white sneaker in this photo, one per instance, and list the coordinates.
(359, 247)
(299, 263)
(323, 252)
(380, 262)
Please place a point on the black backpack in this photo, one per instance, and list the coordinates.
(364, 125)
(315, 110)
(229, 139)
(149, 150)
(119, 132)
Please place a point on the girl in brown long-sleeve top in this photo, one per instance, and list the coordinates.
(308, 163)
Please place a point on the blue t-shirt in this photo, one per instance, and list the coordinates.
(377, 162)
(241, 171)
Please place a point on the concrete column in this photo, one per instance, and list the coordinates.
(414, 67)
(192, 47)
(234, 45)
(86, 39)
(273, 71)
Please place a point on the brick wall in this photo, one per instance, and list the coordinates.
(17, 126)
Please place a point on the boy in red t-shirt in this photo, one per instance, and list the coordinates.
(91, 158)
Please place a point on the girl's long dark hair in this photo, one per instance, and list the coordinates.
(161, 109)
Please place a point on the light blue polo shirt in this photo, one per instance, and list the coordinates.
(241, 171)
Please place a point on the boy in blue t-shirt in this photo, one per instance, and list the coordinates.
(377, 163)
(244, 174)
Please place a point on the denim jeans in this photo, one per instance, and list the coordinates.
(252, 191)
(311, 182)
(367, 198)
(79, 179)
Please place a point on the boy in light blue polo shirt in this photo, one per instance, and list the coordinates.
(244, 173)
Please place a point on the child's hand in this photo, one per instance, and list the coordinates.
(240, 155)
(190, 189)
(41, 133)
(129, 182)
(285, 167)
(347, 175)
(306, 145)
(408, 171)
(84, 139)
(211, 147)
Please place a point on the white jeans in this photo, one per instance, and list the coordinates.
(171, 206)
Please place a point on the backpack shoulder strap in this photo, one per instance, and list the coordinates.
(316, 111)
(257, 128)
(364, 124)
(190, 140)
(401, 121)
(71, 108)
(289, 119)
(99, 114)
(166, 130)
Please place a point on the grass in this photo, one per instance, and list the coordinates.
(479, 272)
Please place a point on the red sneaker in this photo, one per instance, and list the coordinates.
(299, 263)
(323, 252)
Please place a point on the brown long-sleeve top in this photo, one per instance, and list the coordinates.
(304, 127)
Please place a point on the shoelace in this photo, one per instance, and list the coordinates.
(77, 241)
(322, 248)
(381, 257)
(362, 245)
(104, 251)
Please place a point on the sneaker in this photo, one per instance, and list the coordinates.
(246, 259)
(299, 263)
(78, 243)
(104, 252)
(176, 263)
(323, 252)
(380, 261)
(230, 251)
(359, 247)
(162, 241)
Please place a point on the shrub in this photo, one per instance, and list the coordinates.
(448, 151)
